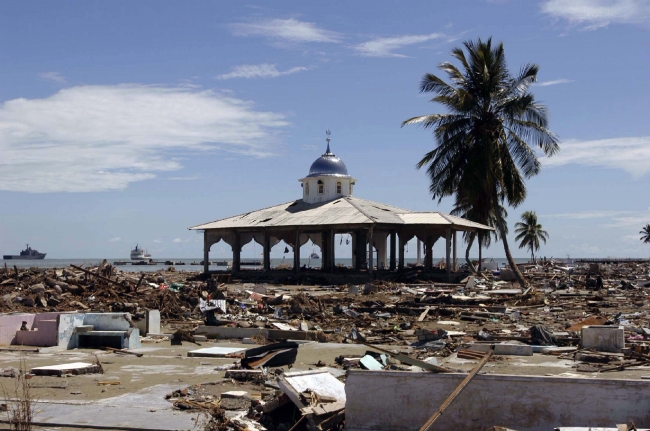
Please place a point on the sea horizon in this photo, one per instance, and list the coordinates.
(187, 263)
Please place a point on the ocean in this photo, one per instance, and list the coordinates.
(62, 263)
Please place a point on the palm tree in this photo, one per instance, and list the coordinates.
(529, 232)
(484, 141)
(645, 234)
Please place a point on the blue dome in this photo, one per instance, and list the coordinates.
(328, 164)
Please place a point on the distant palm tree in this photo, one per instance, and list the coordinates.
(483, 144)
(645, 234)
(529, 232)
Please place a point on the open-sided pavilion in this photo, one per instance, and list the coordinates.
(329, 208)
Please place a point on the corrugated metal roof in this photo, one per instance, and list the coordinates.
(346, 210)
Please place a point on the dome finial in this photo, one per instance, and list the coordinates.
(328, 133)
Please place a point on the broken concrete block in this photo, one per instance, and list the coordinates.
(606, 338)
(73, 368)
(235, 400)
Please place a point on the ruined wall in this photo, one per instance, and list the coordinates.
(392, 401)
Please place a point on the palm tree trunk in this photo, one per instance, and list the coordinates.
(480, 252)
(469, 245)
(518, 275)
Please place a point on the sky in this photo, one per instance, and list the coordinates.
(128, 122)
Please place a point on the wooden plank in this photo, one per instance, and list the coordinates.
(97, 276)
(458, 390)
(424, 314)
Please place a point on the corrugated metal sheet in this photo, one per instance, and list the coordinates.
(348, 210)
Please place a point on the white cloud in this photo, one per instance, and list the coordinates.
(553, 82)
(116, 239)
(385, 46)
(177, 240)
(630, 154)
(582, 215)
(94, 138)
(53, 76)
(614, 219)
(157, 241)
(286, 30)
(593, 14)
(259, 71)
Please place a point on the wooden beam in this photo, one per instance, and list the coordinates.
(458, 390)
(96, 275)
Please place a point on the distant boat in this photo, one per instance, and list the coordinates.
(314, 256)
(28, 253)
(139, 254)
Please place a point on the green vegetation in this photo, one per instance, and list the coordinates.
(483, 148)
(529, 232)
(645, 234)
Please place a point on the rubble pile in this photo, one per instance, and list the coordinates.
(431, 319)
(102, 289)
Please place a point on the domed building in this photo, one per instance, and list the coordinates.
(328, 207)
(328, 179)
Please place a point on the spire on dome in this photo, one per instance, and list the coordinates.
(328, 164)
(328, 133)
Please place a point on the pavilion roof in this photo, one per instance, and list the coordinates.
(347, 210)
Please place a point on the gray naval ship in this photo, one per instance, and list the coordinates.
(28, 253)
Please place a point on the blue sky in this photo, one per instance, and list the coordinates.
(129, 122)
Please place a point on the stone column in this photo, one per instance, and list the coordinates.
(393, 250)
(236, 252)
(428, 257)
(354, 250)
(370, 252)
(296, 253)
(325, 251)
(402, 244)
(455, 264)
(267, 251)
(332, 236)
(419, 250)
(206, 253)
(361, 244)
(448, 253)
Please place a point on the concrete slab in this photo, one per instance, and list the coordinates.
(214, 352)
(60, 369)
